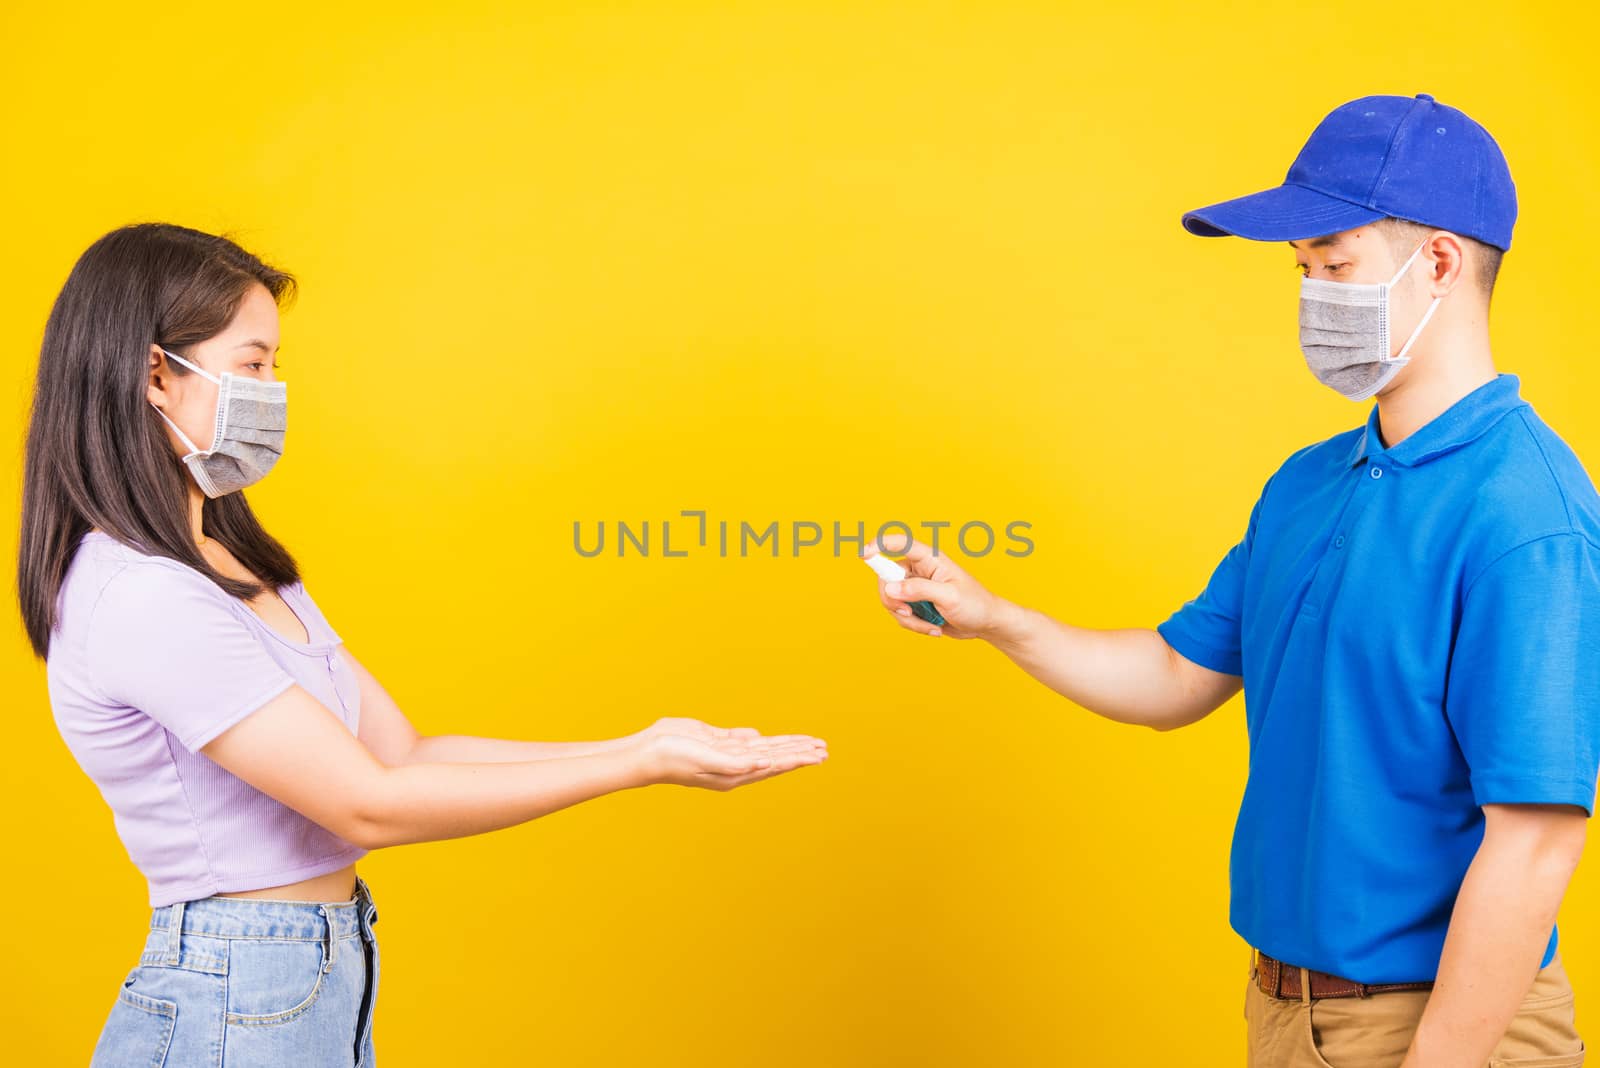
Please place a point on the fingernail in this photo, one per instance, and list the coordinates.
(933, 633)
(892, 589)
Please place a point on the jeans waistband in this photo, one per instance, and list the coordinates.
(244, 917)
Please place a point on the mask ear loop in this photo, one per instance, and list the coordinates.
(1401, 273)
(194, 450)
(202, 372)
(1401, 355)
(1418, 331)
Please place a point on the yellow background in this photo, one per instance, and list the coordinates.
(779, 262)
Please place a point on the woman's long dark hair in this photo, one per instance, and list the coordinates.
(97, 454)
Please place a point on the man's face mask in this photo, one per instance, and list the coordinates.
(1344, 332)
(247, 435)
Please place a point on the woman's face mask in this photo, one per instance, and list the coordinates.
(1344, 332)
(247, 432)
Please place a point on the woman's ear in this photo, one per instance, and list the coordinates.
(154, 391)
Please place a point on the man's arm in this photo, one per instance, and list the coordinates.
(1523, 702)
(1130, 675)
(1498, 930)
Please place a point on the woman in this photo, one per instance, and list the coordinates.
(248, 758)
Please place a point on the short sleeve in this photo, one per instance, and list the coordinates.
(165, 642)
(1208, 628)
(1524, 686)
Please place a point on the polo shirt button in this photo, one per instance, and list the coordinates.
(1338, 543)
(1377, 472)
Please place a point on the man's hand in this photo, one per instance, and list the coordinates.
(970, 611)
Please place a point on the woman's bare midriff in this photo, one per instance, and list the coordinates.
(334, 886)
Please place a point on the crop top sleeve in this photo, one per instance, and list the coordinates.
(168, 642)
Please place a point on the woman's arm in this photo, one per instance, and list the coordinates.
(296, 751)
(473, 749)
(393, 740)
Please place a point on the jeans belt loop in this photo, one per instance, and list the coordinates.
(174, 932)
(1305, 985)
(333, 937)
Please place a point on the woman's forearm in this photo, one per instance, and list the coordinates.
(470, 749)
(429, 802)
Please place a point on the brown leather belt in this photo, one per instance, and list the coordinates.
(1279, 980)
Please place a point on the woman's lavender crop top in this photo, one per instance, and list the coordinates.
(150, 661)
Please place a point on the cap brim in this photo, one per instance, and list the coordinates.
(1283, 213)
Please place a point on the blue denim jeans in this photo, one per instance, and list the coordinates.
(233, 982)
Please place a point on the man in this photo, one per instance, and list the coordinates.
(1414, 616)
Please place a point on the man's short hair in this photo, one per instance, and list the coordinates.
(1404, 236)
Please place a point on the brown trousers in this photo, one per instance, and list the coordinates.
(1375, 1031)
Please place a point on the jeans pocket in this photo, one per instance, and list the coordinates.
(274, 980)
(1543, 1033)
(1373, 1031)
(138, 1030)
(1566, 1060)
(1313, 1041)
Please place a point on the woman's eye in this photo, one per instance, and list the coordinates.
(1337, 266)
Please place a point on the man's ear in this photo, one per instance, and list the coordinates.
(1445, 257)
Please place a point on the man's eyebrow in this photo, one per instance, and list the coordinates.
(1319, 242)
(257, 342)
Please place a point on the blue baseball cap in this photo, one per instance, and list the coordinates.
(1412, 158)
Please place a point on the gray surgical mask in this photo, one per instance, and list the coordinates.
(246, 437)
(1344, 332)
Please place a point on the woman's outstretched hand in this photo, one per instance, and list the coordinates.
(692, 728)
(687, 752)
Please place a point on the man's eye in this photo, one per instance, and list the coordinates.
(1337, 266)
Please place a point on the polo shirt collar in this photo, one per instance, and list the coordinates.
(1461, 423)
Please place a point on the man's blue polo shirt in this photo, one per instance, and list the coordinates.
(1418, 628)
